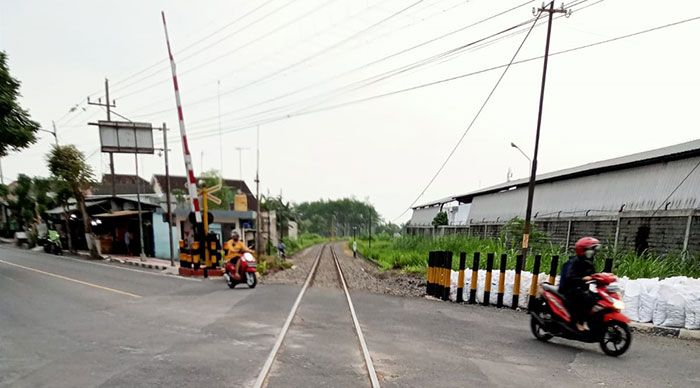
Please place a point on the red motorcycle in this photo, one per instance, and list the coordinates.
(247, 272)
(607, 324)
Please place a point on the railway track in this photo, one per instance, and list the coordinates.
(321, 266)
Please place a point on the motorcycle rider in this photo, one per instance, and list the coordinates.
(575, 273)
(235, 248)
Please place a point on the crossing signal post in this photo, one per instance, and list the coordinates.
(207, 194)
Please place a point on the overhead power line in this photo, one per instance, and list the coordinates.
(358, 68)
(208, 62)
(471, 124)
(445, 80)
(225, 26)
(272, 75)
(237, 70)
(440, 58)
(192, 44)
(185, 58)
(300, 62)
(325, 96)
(95, 93)
(304, 112)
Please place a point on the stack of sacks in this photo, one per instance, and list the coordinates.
(671, 302)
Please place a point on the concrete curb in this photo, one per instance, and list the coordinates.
(671, 332)
(161, 267)
(148, 265)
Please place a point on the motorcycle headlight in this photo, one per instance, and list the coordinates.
(618, 304)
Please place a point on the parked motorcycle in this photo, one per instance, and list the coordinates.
(53, 243)
(247, 272)
(607, 324)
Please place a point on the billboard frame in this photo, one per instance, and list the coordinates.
(118, 136)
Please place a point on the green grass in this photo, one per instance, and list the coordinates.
(650, 266)
(268, 264)
(304, 241)
(409, 253)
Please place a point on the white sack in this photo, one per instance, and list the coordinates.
(632, 291)
(647, 299)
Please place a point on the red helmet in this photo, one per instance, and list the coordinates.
(585, 244)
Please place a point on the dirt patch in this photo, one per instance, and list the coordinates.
(364, 275)
(359, 273)
(301, 265)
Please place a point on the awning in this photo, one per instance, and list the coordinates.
(74, 206)
(119, 213)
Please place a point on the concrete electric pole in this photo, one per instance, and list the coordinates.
(108, 106)
(531, 187)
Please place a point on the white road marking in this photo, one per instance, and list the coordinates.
(72, 280)
(128, 269)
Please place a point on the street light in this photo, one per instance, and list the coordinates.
(55, 137)
(521, 151)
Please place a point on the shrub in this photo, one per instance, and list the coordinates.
(409, 253)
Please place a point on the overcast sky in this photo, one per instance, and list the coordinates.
(610, 100)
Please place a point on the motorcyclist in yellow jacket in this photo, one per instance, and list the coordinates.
(235, 248)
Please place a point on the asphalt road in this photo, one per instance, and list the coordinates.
(80, 323)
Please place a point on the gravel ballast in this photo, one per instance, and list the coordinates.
(360, 274)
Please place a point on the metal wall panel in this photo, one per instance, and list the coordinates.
(424, 216)
(639, 188)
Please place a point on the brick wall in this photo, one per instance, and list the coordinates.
(494, 231)
(694, 241)
(556, 230)
(486, 230)
(602, 230)
(449, 231)
(666, 234)
(477, 230)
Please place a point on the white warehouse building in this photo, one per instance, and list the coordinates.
(645, 200)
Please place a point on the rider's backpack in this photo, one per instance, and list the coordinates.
(563, 274)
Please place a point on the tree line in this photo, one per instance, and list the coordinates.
(345, 217)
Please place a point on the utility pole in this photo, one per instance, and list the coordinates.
(138, 193)
(221, 136)
(167, 195)
(108, 106)
(257, 194)
(370, 229)
(531, 187)
(240, 160)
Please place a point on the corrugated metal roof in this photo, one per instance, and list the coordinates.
(643, 188)
(456, 215)
(676, 152)
(436, 202)
(74, 206)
